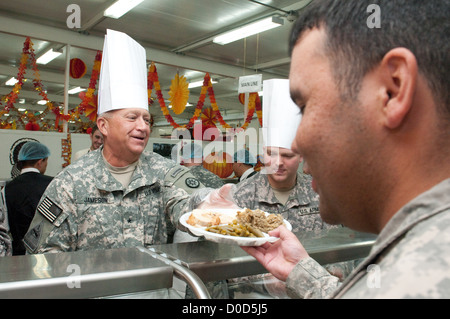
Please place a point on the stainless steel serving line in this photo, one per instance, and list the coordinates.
(83, 274)
(212, 261)
(101, 273)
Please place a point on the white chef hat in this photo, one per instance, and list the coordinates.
(281, 115)
(123, 74)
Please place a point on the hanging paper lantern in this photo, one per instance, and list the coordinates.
(220, 163)
(32, 126)
(179, 94)
(77, 68)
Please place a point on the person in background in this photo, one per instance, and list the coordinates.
(372, 99)
(96, 141)
(243, 164)
(23, 193)
(281, 187)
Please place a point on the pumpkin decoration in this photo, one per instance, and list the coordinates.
(219, 163)
(77, 68)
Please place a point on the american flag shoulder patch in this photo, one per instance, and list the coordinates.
(49, 209)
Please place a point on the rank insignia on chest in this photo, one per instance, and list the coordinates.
(49, 209)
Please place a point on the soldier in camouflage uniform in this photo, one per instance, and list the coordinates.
(85, 207)
(301, 208)
(118, 195)
(360, 129)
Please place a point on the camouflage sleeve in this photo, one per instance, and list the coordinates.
(5, 240)
(181, 177)
(51, 229)
(309, 280)
(179, 184)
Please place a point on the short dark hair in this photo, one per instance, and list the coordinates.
(423, 27)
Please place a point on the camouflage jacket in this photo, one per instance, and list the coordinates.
(85, 207)
(207, 178)
(301, 209)
(5, 240)
(410, 258)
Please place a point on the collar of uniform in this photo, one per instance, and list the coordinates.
(107, 182)
(427, 204)
(300, 195)
(424, 206)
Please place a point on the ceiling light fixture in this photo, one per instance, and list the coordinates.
(11, 82)
(248, 30)
(48, 56)
(76, 90)
(120, 7)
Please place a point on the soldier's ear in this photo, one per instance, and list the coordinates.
(399, 69)
(102, 123)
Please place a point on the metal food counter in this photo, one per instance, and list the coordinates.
(102, 273)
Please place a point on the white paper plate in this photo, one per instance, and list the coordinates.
(226, 239)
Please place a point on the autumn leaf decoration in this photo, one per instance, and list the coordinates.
(179, 94)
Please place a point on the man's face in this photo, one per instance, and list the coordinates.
(96, 139)
(282, 165)
(128, 131)
(332, 136)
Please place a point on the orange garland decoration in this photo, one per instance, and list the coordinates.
(89, 103)
(153, 79)
(254, 102)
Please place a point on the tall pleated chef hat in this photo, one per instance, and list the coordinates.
(281, 115)
(123, 74)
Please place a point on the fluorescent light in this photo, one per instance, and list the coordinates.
(12, 81)
(248, 30)
(42, 102)
(76, 90)
(197, 84)
(21, 110)
(120, 7)
(48, 56)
